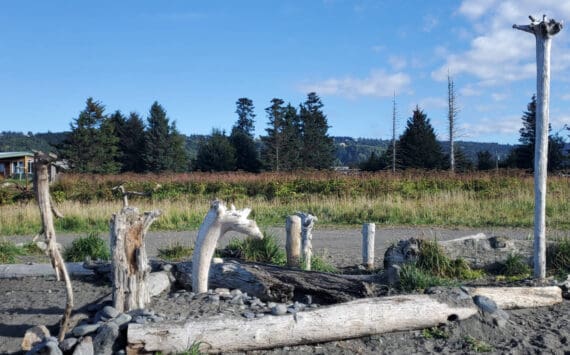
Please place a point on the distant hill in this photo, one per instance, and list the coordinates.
(349, 151)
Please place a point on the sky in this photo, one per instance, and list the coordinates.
(196, 58)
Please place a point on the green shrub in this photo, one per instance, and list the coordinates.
(8, 252)
(435, 333)
(176, 252)
(476, 345)
(558, 257)
(515, 265)
(433, 260)
(91, 246)
(320, 263)
(266, 250)
(414, 278)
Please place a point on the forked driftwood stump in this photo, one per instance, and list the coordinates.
(42, 163)
(130, 266)
(217, 222)
(307, 224)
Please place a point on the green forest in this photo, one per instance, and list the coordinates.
(296, 138)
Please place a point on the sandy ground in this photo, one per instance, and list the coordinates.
(30, 301)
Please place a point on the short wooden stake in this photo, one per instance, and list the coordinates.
(368, 235)
(293, 241)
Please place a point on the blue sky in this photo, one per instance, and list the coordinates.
(196, 58)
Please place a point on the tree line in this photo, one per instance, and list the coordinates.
(111, 143)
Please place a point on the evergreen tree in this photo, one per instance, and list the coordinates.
(91, 146)
(241, 137)
(292, 144)
(418, 146)
(246, 117)
(164, 146)
(273, 143)
(485, 160)
(524, 153)
(215, 153)
(133, 144)
(318, 147)
(375, 162)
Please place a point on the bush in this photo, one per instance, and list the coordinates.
(176, 252)
(87, 247)
(414, 278)
(433, 260)
(515, 265)
(320, 263)
(558, 257)
(9, 252)
(266, 250)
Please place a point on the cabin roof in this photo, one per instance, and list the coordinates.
(11, 155)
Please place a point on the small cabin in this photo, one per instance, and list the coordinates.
(16, 165)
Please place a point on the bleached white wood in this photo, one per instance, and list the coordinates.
(543, 32)
(218, 221)
(520, 297)
(348, 320)
(307, 224)
(293, 241)
(368, 235)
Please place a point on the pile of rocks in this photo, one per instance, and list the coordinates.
(103, 329)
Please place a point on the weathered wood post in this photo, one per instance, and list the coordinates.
(217, 222)
(42, 163)
(307, 224)
(543, 32)
(293, 241)
(130, 268)
(368, 235)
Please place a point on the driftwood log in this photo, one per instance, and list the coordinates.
(130, 268)
(42, 163)
(274, 283)
(348, 320)
(342, 321)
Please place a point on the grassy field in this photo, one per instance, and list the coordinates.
(410, 198)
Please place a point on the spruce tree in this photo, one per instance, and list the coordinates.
(418, 145)
(485, 160)
(318, 147)
(133, 144)
(91, 146)
(273, 143)
(241, 137)
(292, 139)
(164, 146)
(215, 153)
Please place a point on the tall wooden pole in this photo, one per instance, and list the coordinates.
(543, 32)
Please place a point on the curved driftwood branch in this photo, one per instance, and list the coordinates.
(42, 162)
(307, 224)
(217, 222)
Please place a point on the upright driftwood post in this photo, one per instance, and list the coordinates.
(543, 32)
(293, 241)
(130, 263)
(217, 222)
(368, 235)
(42, 163)
(307, 224)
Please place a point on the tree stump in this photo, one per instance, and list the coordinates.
(293, 241)
(307, 224)
(130, 263)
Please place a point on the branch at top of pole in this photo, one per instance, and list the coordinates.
(544, 28)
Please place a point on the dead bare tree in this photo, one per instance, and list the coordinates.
(543, 32)
(42, 163)
(451, 117)
(394, 133)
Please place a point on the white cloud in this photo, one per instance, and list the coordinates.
(499, 96)
(397, 62)
(491, 126)
(430, 22)
(378, 84)
(499, 54)
(378, 48)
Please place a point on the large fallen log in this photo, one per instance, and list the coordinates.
(348, 320)
(274, 283)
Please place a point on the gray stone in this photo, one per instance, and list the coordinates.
(83, 329)
(67, 344)
(259, 315)
(392, 274)
(109, 312)
(140, 319)
(49, 346)
(236, 292)
(122, 319)
(214, 298)
(485, 304)
(249, 315)
(105, 339)
(279, 310)
(167, 267)
(85, 347)
(237, 299)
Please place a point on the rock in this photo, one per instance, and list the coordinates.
(158, 282)
(392, 274)
(217, 261)
(122, 319)
(279, 310)
(109, 312)
(485, 304)
(167, 267)
(406, 251)
(83, 329)
(236, 292)
(214, 298)
(221, 290)
(237, 299)
(85, 347)
(249, 315)
(47, 347)
(140, 319)
(105, 339)
(68, 343)
(33, 336)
